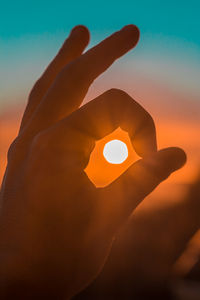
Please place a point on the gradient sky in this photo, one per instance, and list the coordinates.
(162, 72)
(31, 32)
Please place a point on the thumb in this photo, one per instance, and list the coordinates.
(125, 193)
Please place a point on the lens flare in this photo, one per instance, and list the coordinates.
(115, 152)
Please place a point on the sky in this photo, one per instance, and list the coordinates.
(31, 33)
(162, 72)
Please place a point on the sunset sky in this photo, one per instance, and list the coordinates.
(162, 72)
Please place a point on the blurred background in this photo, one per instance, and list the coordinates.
(162, 73)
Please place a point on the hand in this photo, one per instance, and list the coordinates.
(57, 228)
(145, 251)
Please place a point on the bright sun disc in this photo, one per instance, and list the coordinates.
(115, 152)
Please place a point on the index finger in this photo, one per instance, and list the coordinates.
(103, 115)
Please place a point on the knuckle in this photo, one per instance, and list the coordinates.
(117, 97)
(114, 92)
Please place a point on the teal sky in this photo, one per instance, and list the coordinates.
(176, 18)
(31, 31)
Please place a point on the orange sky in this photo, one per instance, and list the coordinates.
(179, 133)
(175, 114)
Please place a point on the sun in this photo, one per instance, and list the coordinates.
(115, 152)
(111, 156)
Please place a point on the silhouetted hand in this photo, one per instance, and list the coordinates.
(57, 228)
(143, 256)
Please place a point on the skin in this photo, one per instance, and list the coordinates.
(141, 262)
(57, 228)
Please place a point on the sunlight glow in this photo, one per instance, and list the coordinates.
(115, 152)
